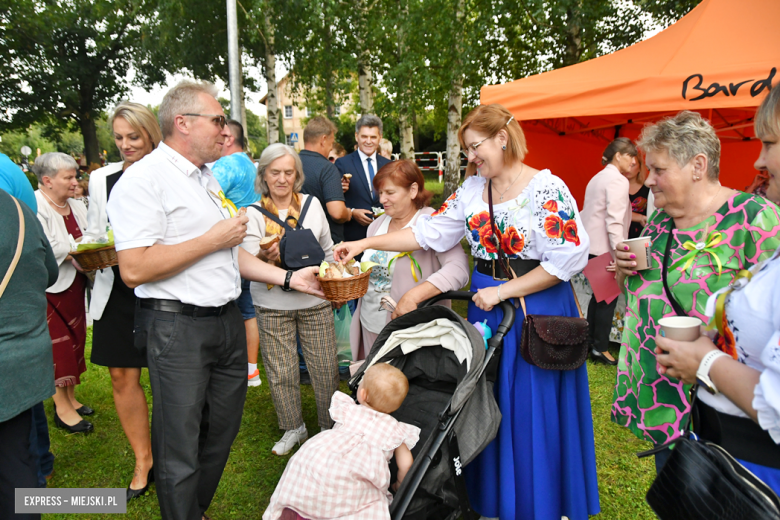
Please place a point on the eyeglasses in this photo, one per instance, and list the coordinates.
(472, 148)
(217, 119)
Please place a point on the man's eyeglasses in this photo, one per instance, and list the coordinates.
(216, 118)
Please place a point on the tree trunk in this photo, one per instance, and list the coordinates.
(365, 75)
(269, 68)
(454, 117)
(243, 102)
(330, 105)
(405, 116)
(91, 146)
(365, 83)
(573, 51)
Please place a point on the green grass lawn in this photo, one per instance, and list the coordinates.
(104, 458)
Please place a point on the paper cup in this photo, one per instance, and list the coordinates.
(680, 328)
(641, 248)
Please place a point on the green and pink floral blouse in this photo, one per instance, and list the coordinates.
(743, 232)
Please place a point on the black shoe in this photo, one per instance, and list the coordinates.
(305, 378)
(82, 427)
(135, 493)
(85, 410)
(598, 356)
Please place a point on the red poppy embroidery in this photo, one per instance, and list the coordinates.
(512, 241)
(444, 205)
(479, 220)
(486, 239)
(570, 232)
(553, 226)
(551, 206)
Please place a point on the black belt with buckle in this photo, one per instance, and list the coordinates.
(182, 308)
(492, 268)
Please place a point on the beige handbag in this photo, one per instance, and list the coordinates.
(19, 244)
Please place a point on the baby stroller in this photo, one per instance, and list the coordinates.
(451, 401)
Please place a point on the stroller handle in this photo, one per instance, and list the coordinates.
(506, 322)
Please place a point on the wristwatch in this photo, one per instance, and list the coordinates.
(286, 286)
(703, 373)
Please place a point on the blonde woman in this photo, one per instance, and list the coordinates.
(136, 134)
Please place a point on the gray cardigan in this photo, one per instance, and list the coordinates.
(26, 361)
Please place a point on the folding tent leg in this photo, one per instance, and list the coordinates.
(460, 481)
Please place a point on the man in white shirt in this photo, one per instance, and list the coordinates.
(363, 165)
(177, 244)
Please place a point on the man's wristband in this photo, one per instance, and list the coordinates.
(286, 286)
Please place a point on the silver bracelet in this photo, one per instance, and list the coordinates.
(499, 293)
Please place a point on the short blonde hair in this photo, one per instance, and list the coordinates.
(140, 118)
(683, 137)
(182, 99)
(269, 155)
(489, 120)
(767, 122)
(386, 146)
(386, 386)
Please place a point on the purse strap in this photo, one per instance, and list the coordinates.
(18, 253)
(503, 262)
(676, 306)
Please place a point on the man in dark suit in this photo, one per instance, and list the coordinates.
(362, 165)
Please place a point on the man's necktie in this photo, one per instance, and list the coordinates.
(370, 175)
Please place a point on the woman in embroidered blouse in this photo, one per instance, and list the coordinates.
(542, 464)
(281, 316)
(401, 189)
(745, 366)
(719, 232)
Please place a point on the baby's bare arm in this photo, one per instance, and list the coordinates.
(404, 459)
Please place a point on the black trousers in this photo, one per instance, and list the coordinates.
(197, 369)
(600, 316)
(18, 468)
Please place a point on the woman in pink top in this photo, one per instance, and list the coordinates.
(407, 278)
(606, 216)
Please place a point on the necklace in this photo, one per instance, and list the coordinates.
(501, 195)
(61, 207)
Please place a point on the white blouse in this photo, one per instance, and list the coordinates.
(542, 223)
(753, 315)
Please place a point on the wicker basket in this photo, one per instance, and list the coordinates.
(94, 259)
(344, 289)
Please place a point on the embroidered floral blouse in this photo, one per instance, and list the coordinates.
(744, 231)
(542, 223)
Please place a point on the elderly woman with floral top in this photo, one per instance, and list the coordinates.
(542, 463)
(715, 233)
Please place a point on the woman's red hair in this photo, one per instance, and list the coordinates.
(404, 173)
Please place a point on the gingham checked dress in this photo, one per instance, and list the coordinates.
(343, 472)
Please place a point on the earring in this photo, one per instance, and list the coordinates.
(503, 147)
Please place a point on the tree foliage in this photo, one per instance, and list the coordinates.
(65, 61)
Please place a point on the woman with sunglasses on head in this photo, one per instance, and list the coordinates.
(542, 464)
(136, 134)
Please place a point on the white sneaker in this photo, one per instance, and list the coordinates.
(289, 440)
(254, 378)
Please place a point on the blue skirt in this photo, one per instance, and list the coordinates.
(542, 464)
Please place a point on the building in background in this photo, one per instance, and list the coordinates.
(292, 106)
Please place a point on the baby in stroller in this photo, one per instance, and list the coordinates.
(343, 472)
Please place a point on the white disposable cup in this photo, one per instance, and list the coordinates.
(680, 328)
(641, 248)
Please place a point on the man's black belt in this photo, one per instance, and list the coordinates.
(492, 268)
(182, 308)
(740, 436)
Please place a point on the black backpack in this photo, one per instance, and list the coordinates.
(299, 247)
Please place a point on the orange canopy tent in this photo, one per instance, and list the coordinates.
(720, 60)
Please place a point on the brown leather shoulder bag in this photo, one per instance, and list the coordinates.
(549, 342)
